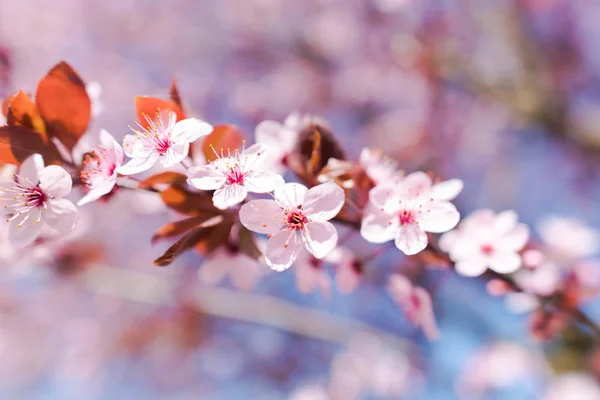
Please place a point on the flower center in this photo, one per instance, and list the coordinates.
(235, 176)
(406, 217)
(24, 199)
(162, 144)
(487, 249)
(36, 198)
(96, 166)
(295, 219)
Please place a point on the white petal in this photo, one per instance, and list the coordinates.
(245, 272)
(262, 216)
(99, 190)
(291, 195)
(282, 250)
(321, 238)
(30, 169)
(175, 154)
(324, 201)
(416, 183)
(190, 129)
(229, 195)
(385, 196)
(474, 266)
(60, 215)
(279, 138)
(448, 240)
(410, 239)
(254, 156)
(134, 147)
(440, 216)
(515, 239)
(214, 269)
(346, 278)
(205, 177)
(263, 181)
(447, 190)
(113, 148)
(505, 262)
(505, 221)
(137, 165)
(55, 181)
(378, 226)
(20, 233)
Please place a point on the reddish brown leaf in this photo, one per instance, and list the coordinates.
(19, 142)
(174, 94)
(222, 137)
(183, 201)
(23, 111)
(64, 104)
(145, 105)
(177, 228)
(218, 235)
(167, 177)
(5, 106)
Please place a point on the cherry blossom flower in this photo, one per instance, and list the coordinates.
(164, 139)
(310, 275)
(405, 209)
(296, 215)
(35, 198)
(99, 171)
(94, 91)
(244, 271)
(233, 176)
(379, 167)
(347, 269)
(581, 240)
(280, 138)
(416, 303)
(573, 386)
(486, 240)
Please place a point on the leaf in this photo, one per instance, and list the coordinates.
(177, 228)
(219, 235)
(167, 177)
(145, 105)
(222, 137)
(19, 142)
(64, 104)
(188, 241)
(247, 243)
(315, 157)
(185, 202)
(5, 106)
(23, 111)
(174, 94)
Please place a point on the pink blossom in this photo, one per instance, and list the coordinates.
(310, 275)
(573, 386)
(233, 176)
(296, 215)
(569, 237)
(379, 167)
(542, 278)
(99, 171)
(35, 197)
(94, 91)
(280, 138)
(244, 271)
(347, 269)
(416, 303)
(486, 240)
(406, 208)
(165, 139)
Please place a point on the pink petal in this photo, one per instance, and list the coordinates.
(60, 215)
(347, 278)
(229, 195)
(282, 250)
(20, 233)
(254, 156)
(262, 216)
(515, 239)
(474, 266)
(214, 269)
(440, 216)
(410, 239)
(307, 277)
(30, 169)
(205, 177)
(290, 195)
(137, 165)
(320, 238)
(324, 201)
(424, 313)
(416, 183)
(447, 190)
(99, 190)
(505, 221)
(399, 288)
(245, 272)
(504, 262)
(113, 148)
(263, 181)
(134, 147)
(190, 130)
(55, 181)
(378, 226)
(175, 154)
(384, 197)
(280, 139)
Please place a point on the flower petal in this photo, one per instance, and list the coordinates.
(245, 272)
(23, 229)
(279, 138)
(447, 190)
(205, 177)
(254, 156)
(416, 183)
(214, 269)
(175, 154)
(60, 215)
(324, 201)
(55, 181)
(262, 216)
(134, 147)
(30, 169)
(229, 195)
(473, 266)
(504, 262)
(113, 148)
(411, 239)
(515, 239)
(190, 129)
(263, 181)
(290, 195)
(441, 216)
(378, 226)
(137, 165)
(99, 190)
(505, 221)
(282, 250)
(320, 238)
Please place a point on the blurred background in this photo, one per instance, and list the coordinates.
(504, 94)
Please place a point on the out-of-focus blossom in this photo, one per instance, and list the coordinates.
(379, 167)
(94, 91)
(311, 275)
(541, 278)
(573, 386)
(233, 176)
(296, 215)
(35, 198)
(486, 240)
(416, 304)
(309, 392)
(164, 139)
(405, 209)
(100, 166)
(570, 238)
(280, 139)
(244, 272)
(347, 269)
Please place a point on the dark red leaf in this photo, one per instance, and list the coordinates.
(23, 111)
(222, 137)
(145, 105)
